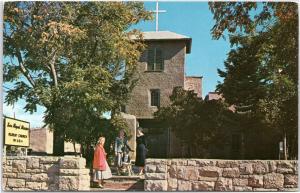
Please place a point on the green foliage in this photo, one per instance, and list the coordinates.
(70, 57)
(261, 71)
(201, 125)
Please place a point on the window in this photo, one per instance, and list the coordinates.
(155, 60)
(155, 97)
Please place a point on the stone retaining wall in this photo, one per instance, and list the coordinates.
(36, 173)
(220, 175)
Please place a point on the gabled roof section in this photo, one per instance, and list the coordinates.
(167, 35)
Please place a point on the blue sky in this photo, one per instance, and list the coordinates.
(192, 19)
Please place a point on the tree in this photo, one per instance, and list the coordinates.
(265, 47)
(198, 123)
(70, 57)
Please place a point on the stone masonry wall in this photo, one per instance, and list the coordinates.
(37, 173)
(220, 175)
(172, 76)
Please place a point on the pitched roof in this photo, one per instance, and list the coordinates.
(167, 35)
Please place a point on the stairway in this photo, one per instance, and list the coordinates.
(122, 183)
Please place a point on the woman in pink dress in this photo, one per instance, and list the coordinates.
(102, 170)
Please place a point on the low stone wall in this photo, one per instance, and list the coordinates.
(36, 173)
(220, 175)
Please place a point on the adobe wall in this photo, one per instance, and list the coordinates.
(172, 76)
(220, 175)
(193, 83)
(42, 141)
(44, 173)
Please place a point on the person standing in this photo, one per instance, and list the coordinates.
(141, 150)
(121, 144)
(100, 165)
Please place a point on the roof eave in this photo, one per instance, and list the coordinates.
(188, 42)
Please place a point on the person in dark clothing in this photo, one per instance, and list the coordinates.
(141, 150)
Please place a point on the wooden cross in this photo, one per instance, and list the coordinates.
(156, 12)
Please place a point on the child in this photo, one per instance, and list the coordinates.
(102, 170)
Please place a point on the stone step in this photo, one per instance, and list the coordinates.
(122, 183)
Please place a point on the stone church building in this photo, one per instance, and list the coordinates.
(161, 68)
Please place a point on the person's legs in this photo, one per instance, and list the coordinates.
(119, 162)
(101, 181)
(98, 178)
(141, 170)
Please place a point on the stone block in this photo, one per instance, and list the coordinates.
(192, 163)
(296, 167)
(49, 168)
(255, 181)
(25, 176)
(181, 171)
(9, 175)
(15, 158)
(172, 184)
(19, 166)
(285, 167)
(288, 189)
(4, 182)
(6, 169)
(68, 183)
(246, 168)
(72, 163)
(242, 189)
(291, 179)
(49, 160)
(172, 171)
(33, 163)
(184, 185)
(161, 168)
(203, 163)
(272, 166)
(53, 187)
(203, 186)
(22, 189)
(273, 180)
(264, 190)
(285, 164)
(245, 176)
(231, 172)
(210, 171)
(150, 168)
(285, 170)
(73, 172)
(179, 162)
(155, 185)
(155, 161)
(240, 182)
(209, 179)
(34, 185)
(260, 167)
(155, 176)
(15, 183)
(191, 173)
(224, 184)
(41, 177)
(44, 186)
(224, 163)
(34, 171)
(9, 162)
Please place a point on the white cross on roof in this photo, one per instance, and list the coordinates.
(156, 12)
